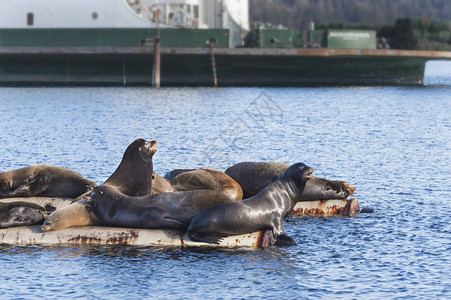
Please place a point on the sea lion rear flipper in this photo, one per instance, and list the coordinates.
(210, 238)
(285, 240)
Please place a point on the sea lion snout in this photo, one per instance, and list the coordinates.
(308, 173)
(350, 189)
(152, 144)
(48, 226)
(149, 147)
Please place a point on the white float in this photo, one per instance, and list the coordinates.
(99, 235)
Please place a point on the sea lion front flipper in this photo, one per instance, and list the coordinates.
(28, 190)
(32, 188)
(285, 240)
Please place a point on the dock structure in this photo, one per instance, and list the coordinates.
(184, 66)
(99, 235)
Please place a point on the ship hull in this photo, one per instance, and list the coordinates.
(129, 66)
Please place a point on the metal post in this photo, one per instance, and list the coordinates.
(213, 61)
(156, 53)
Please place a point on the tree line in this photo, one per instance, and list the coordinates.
(297, 14)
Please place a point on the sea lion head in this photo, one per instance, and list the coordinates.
(299, 173)
(142, 148)
(341, 188)
(92, 197)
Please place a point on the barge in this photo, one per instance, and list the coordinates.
(203, 43)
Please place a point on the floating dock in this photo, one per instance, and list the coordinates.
(99, 235)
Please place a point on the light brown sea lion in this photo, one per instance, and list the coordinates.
(161, 185)
(207, 179)
(75, 214)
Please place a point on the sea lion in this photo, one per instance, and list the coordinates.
(21, 213)
(163, 211)
(207, 179)
(78, 215)
(43, 181)
(161, 185)
(255, 176)
(170, 175)
(75, 214)
(133, 176)
(264, 211)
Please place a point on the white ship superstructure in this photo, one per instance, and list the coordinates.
(222, 14)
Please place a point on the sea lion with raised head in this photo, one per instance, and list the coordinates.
(162, 211)
(255, 176)
(43, 181)
(264, 211)
(133, 176)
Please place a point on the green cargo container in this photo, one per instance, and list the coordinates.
(351, 39)
(287, 38)
(111, 37)
(280, 38)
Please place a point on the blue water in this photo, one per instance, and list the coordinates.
(392, 143)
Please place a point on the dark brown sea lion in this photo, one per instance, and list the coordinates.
(78, 215)
(264, 211)
(255, 176)
(43, 181)
(207, 179)
(21, 213)
(163, 211)
(133, 176)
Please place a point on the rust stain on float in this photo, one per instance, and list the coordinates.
(84, 240)
(49, 207)
(123, 238)
(180, 235)
(350, 208)
(265, 239)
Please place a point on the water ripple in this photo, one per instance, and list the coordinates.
(392, 143)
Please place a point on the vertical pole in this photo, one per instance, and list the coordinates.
(213, 61)
(156, 54)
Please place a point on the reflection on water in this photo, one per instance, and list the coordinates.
(392, 143)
